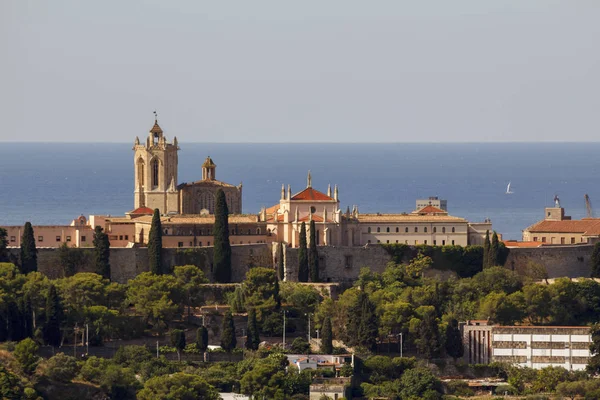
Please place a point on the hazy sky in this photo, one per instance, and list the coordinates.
(301, 71)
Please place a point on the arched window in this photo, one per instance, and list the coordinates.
(406, 230)
(369, 229)
(378, 229)
(141, 180)
(388, 229)
(425, 229)
(453, 230)
(444, 229)
(397, 230)
(258, 231)
(154, 166)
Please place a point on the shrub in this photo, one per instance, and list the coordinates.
(59, 368)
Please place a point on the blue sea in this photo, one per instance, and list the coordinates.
(51, 183)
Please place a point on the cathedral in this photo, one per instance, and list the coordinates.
(156, 186)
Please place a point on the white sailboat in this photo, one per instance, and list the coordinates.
(508, 191)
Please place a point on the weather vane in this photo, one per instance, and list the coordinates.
(155, 116)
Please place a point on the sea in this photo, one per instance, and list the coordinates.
(52, 183)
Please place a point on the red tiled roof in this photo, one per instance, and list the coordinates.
(430, 210)
(272, 209)
(316, 218)
(588, 226)
(311, 194)
(514, 243)
(142, 211)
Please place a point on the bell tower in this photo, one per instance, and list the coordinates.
(155, 165)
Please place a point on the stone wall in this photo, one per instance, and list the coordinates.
(559, 261)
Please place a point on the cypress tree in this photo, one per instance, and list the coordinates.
(14, 322)
(428, 342)
(228, 339)
(202, 339)
(454, 344)
(3, 245)
(222, 247)
(595, 261)
(26, 314)
(54, 317)
(486, 250)
(252, 334)
(326, 337)
(280, 268)
(302, 256)
(313, 254)
(28, 250)
(102, 252)
(178, 341)
(494, 251)
(362, 323)
(155, 244)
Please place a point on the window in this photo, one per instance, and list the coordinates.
(313, 210)
(453, 230)
(425, 229)
(443, 242)
(416, 242)
(369, 230)
(249, 232)
(179, 244)
(154, 166)
(562, 240)
(190, 244)
(444, 229)
(453, 243)
(200, 244)
(83, 238)
(572, 240)
(406, 242)
(379, 241)
(425, 241)
(434, 242)
(396, 241)
(120, 237)
(126, 237)
(208, 243)
(406, 230)
(388, 229)
(535, 238)
(13, 239)
(434, 229)
(41, 238)
(57, 239)
(416, 229)
(258, 231)
(378, 229)
(543, 239)
(388, 241)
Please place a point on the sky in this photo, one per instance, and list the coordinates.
(303, 71)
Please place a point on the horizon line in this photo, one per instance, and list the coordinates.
(350, 142)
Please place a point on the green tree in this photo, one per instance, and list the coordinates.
(178, 386)
(420, 383)
(54, 318)
(59, 368)
(428, 341)
(454, 344)
(202, 339)
(280, 263)
(362, 323)
(14, 322)
(189, 279)
(486, 250)
(302, 256)
(26, 354)
(69, 259)
(222, 247)
(261, 291)
(26, 314)
(28, 250)
(237, 300)
(326, 337)
(313, 254)
(300, 346)
(178, 341)
(154, 296)
(155, 244)
(102, 252)
(252, 334)
(10, 385)
(571, 389)
(595, 261)
(593, 366)
(3, 245)
(494, 251)
(228, 339)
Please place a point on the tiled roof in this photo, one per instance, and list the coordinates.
(315, 217)
(311, 194)
(587, 226)
(197, 219)
(272, 209)
(142, 211)
(514, 243)
(205, 183)
(383, 218)
(156, 128)
(430, 210)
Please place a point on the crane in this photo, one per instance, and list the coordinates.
(588, 206)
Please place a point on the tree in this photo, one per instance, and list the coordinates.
(178, 386)
(26, 314)
(59, 368)
(202, 339)
(593, 366)
(70, 259)
(26, 354)
(15, 328)
(222, 247)
(261, 291)
(326, 337)
(54, 317)
(362, 323)
(280, 264)
(313, 254)
(28, 250)
(228, 339)
(486, 250)
(155, 245)
(178, 341)
(420, 383)
(252, 333)
(302, 256)
(189, 279)
(494, 251)
(428, 341)
(454, 344)
(300, 346)
(3, 245)
(153, 296)
(102, 252)
(595, 261)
